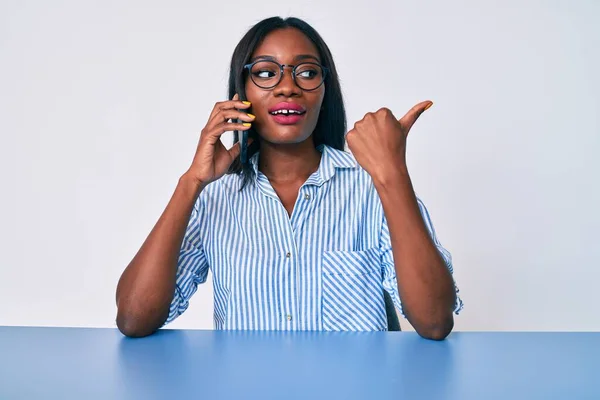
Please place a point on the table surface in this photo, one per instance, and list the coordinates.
(80, 363)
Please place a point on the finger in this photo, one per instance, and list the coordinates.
(228, 105)
(215, 133)
(231, 126)
(414, 113)
(235, 114)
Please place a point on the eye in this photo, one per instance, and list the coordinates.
(307, 73)
(265, 74)
(265, 70)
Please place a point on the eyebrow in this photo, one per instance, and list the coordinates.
(299, 57)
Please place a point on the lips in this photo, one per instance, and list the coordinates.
(283, 106)
(286, 113)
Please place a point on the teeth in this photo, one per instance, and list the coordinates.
(285, 112)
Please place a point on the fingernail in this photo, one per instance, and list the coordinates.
(427, 106)
(247, 124)
(246, 103)
(251, 115)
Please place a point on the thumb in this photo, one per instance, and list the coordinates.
(235, 97)
(235, 150)
(413, 114)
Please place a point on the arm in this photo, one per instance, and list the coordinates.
(147, 285)
(425, 284)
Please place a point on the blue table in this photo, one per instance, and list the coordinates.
(72, 363)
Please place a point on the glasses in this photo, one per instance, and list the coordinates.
(267, 74)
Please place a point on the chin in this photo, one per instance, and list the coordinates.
(291, 136)
(285, 139)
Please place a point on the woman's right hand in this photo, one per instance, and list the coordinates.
(212, 159)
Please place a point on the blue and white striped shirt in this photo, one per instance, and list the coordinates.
(323, 268)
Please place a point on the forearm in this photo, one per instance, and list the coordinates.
(147, 285)
(425, 285)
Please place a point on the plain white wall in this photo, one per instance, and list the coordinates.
(101, 105)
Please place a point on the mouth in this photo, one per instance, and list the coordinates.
(287, 113)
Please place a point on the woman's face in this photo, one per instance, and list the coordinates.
(285, 46)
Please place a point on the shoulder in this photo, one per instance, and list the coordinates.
(348, 169)
(219, 190)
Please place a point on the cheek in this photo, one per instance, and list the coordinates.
(320, 99)
(259, 99)
(250, 92)
(317, 105)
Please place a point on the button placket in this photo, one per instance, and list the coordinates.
(290, 310)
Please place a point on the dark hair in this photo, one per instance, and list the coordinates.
(331, 125)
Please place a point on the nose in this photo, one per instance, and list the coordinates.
(287, 86)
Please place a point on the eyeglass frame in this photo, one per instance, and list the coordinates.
(281, 70)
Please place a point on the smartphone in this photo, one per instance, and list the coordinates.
(243, 138)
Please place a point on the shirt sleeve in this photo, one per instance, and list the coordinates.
(390, 283)
(192, 265)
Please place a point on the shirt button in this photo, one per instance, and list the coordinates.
(288, 255)
(289, 317)
(307, 196)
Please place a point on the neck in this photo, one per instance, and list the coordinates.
(288, 163)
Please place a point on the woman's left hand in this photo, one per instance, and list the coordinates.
(378, 141)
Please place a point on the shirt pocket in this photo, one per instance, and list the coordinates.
(352, 291)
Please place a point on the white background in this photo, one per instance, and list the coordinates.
(101, 105)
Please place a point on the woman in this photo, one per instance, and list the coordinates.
(303, 236)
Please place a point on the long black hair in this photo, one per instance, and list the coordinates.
(331, 125)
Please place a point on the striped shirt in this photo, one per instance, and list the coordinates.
(322, 268)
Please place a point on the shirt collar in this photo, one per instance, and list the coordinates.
(331, 159)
